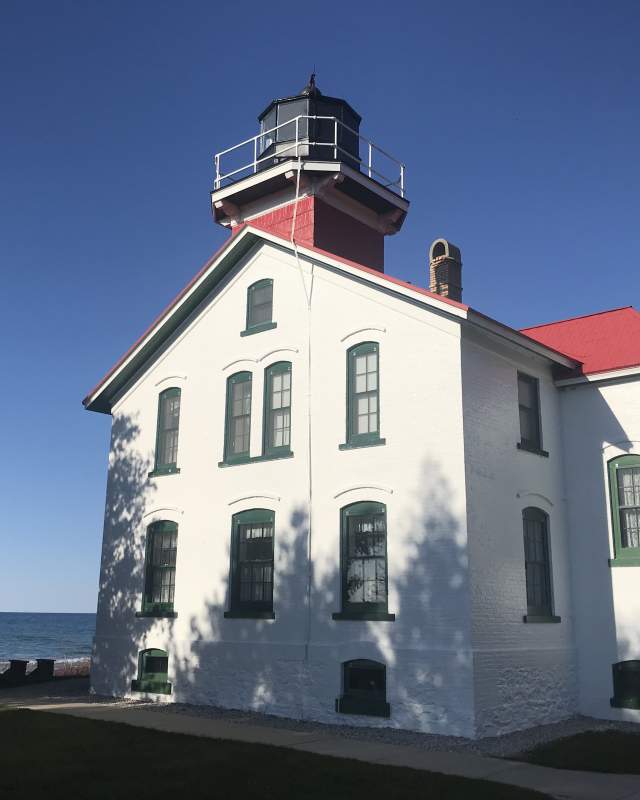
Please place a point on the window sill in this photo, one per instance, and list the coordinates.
(625, 702)
(158, 614)
(541, 619)
(364, 707)
(536, 450)
(364, 616)
(249, 615)
(265, 326)
(164, 471)
(358, 445)
(255, 459)
(151, 687)
(628, 561)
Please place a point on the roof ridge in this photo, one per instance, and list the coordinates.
(573, 319)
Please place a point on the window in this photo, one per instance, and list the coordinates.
(624, 482)
(363, 534)
(363, 408)
(626, 684)
(252, 564)
(364, 689)
(238, 422)
(152, 672)
(537, 564)
(259, 307)
(160, 570)
(167, 432)
(277, 409)
(529, 408)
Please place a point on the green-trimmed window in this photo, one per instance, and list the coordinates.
(160, 569)
(277, 409)
(364, 689)
(537, 564)
(624, 483)
(238, 421)
(251, 583)
(259, 307)
(166, 460)
(626, 684)
(529, 412)
(153, 666)
(363, 535)
(363, 395)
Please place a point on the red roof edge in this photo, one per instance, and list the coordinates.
(573, 319)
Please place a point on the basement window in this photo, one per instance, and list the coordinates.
(626, 684)
(152, 672)
(364, 689)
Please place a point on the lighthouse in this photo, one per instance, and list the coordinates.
(309, 175)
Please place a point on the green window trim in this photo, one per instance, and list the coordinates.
(538, 567)
(541, 619)
(152, 672)
(363, 556)
(237, 425)
(255, 459)
(364, 689)
(259, 307)
(251, 574)
(276, 427)
(160, 570)
(167, 433)
(530, 416)
(626, 539)
(363, 396)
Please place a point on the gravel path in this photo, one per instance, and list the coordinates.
(502, 746)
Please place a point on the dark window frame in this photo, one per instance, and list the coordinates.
(268, 448)
(623, 556)
(151, 607)
(364, 702)
(253, 325)
(230, 456)
(626, 684)
(152, 682)
(531, 445)
(542, 611)
(377, 611)
(161, 466)
(353, 438)
(240, 608)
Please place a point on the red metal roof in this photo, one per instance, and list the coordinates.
(604, 341)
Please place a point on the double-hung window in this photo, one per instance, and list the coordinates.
(160, 569)
(363, 396)
(624, 483)
(251, 582)
(537, 564)
(277, 409)
(364, 562)
(238, 418)
(529, 412)
(259, 307)
(166, 461)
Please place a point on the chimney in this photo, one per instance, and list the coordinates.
(445, 270)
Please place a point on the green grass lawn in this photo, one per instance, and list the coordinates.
(54, 756)
(594, 751)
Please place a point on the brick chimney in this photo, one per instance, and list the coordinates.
(445, 270)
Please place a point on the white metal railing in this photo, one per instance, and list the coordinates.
(291, 148)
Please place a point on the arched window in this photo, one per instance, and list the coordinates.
(277, 409)
(251, 584)
(537, 564)
(364, 689)
(259, 307)
(624, 481)
(153, 666)
(363, 540)
(166, 461)
(238, 419)
(160, 569)
(363, 396)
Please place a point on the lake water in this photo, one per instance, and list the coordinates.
(60, 636)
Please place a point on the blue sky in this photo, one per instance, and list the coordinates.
(519, 124)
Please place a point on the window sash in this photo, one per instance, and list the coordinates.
(364, 559)
(168, 429)
(252, 567)
(259, 303)
(537, 564)
(160, 567)
(238, 417)
(277, 409)
(624, 482)
(529, 411)
(363, 394)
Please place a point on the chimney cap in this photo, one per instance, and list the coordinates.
(442, 248)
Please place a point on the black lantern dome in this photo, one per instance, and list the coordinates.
(288, 129)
